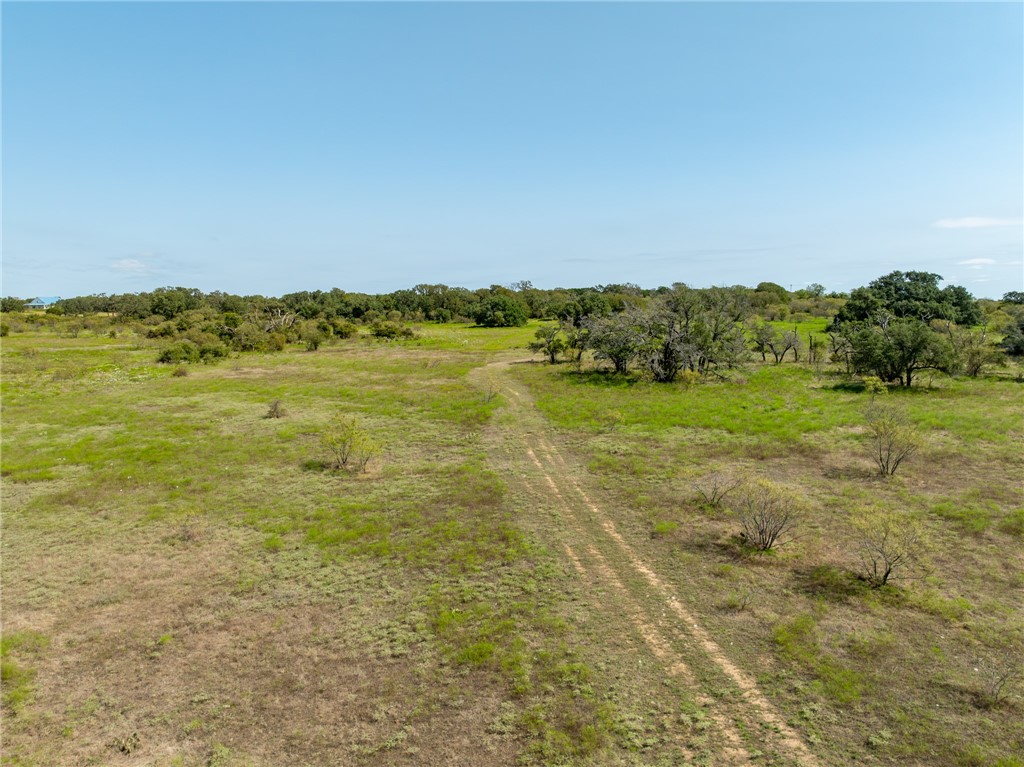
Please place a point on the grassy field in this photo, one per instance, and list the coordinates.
(187, 582)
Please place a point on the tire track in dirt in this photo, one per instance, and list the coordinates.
(732, 751)
(746, 683)
(579, 508)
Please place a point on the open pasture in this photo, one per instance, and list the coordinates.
(187, 581)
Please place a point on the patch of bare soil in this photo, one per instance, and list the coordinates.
(170, 642)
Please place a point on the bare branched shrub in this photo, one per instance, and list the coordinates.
(276, 410)
(999, 679)
(890, 546)
(768, 513)
(367, 449)
(739, 600)
(349, 444)
(713, 488)
(893, 437)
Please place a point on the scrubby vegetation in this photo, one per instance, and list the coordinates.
(730, 492)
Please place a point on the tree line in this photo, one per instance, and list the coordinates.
(496, 305)
(892, 328)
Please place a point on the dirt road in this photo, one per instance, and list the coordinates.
(647, 602)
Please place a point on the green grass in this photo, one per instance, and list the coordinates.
(797, 640)
(16, 677)
(122, 454)
(837, 642)
(168, 531)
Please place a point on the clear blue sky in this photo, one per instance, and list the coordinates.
(268, 148)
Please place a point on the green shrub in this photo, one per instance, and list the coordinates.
(663, 528)
(163, 330)
(349, 444)
(389, 330)
(343, 328)
(276, 342)
(180, 351)
(500, 311)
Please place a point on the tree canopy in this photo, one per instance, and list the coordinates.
(911, 294)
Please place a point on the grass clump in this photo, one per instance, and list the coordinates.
(797, 640)
(17, 679)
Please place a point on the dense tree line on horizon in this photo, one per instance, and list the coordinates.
(892, 328)
(425, 302)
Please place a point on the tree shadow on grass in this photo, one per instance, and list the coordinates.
(831, 583)
(891, 390)
(608, 379)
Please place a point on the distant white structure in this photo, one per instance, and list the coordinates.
(42, 302)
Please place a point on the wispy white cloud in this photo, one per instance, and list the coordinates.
(977, 263)
(975, 222)
(131, 265)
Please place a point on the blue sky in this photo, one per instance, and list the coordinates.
(267, 148)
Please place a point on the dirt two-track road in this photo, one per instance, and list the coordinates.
(636, 598)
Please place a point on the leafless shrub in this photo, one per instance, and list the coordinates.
(713, 488)
(999, 680)
(739, 601)
(893, 437)
(890, 546)
(768, 513)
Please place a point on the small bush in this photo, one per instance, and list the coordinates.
(874, 385)
(276, 342)
(549, 342)
(768, 513)
(390, 330)
(663, 528)
(276, 410)
(739, 601)
(890, 546)
(343, 328)
(688, 378)
(713, 489)
(999, 680)
(163, 330)
(178, 352)
(832, 583)
(893, 437)
(180, 372)
(349, 444)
